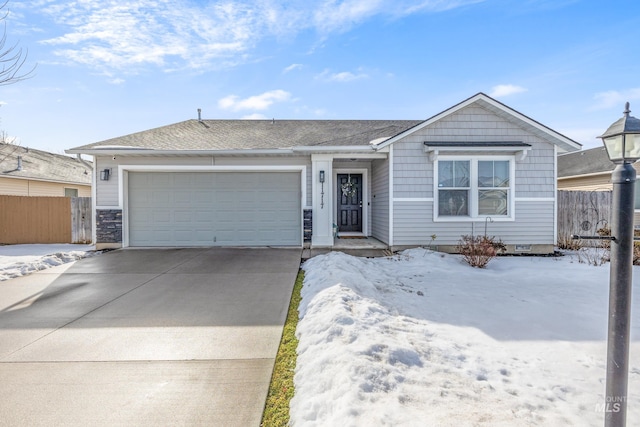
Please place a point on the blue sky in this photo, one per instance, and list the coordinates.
(108, 68)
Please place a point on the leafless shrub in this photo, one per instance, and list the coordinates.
(606, 244)
(567, 242)
(477, 251)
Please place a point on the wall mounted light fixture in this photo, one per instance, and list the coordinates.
(105, 174)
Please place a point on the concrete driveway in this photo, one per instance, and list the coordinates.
(145, 337)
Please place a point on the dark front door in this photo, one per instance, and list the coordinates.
(350, 202)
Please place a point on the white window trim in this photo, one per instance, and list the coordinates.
(473, 197)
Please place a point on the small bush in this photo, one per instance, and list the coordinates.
(477, 251)
(593, 255)
(565, 241)
(606, 231)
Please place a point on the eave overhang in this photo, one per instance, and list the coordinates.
(306, 150)
(517, 148)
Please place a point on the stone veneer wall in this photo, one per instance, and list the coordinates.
(108, 226)
(307, 225)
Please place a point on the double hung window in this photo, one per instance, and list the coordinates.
(474, 188)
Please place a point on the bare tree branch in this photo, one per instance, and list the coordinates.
(12, 58)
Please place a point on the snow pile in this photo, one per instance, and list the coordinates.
(20, 260)
(424, 339)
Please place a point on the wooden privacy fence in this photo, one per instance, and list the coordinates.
(45, 219)
(582, 212)
(81, 220)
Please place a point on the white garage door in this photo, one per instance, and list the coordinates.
(214, 209)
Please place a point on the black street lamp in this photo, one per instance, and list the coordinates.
(622, 141)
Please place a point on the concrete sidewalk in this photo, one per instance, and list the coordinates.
(145, 337)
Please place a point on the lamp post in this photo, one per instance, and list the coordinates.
(622, 141)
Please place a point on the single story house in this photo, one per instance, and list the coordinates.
(28, 172)
(478, 165)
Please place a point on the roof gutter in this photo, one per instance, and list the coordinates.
(56, 181)
(585, 175)
(149, 152)
(247, 151)
(81, 160)
(334, 149)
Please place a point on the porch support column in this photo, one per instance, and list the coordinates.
(322, 200)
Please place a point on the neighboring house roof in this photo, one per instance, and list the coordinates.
(255, 134)
(42, 166)
(585, 162)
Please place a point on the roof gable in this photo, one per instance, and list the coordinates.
(501, 110)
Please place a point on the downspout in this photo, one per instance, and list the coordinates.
(18, 167)
(84, 162)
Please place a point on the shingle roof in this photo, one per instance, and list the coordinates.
(583, 162)
(256, 134)
(42, 165)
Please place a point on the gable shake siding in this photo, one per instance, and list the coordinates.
(534, 187)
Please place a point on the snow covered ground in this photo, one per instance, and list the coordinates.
(423, 339)
(19, 260)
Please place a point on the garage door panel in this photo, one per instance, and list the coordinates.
(183, 217)
(159, 179)
(183, 197)
(214, 208)
(201, 197)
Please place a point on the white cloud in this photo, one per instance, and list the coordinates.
(505, 90)
(341, 77)
(257, 102)
(614, 98)
(125, 37)
(291, 68)
(117, 36)
(336, 15)
(255, 116)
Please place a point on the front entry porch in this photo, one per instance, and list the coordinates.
(363, 247)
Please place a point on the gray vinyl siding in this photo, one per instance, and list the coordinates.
(380, 200)
(107, 191)
(413, 225)
(413, 172)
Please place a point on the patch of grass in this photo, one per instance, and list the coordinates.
(276, 411)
